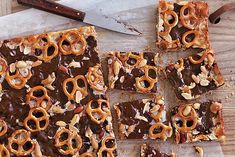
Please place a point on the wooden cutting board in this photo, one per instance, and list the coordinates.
(222, 37)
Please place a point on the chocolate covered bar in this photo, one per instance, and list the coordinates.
(200, 121)
(53, 100)
(148, 151)
(143, 119)
(195, 75)
(183, 25)
(132, 71)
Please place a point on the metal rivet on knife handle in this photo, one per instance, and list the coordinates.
(215, 17)
(54, 8)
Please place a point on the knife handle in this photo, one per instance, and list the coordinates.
(55, 8)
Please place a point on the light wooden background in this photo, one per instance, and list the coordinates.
(222, 37)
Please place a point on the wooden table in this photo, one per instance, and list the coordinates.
(222, 37)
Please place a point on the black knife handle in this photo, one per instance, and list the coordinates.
(54, 8)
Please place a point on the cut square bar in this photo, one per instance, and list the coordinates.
(198, 122)
(191, 77)
(143, 119)
(183, 25)
(132, 71)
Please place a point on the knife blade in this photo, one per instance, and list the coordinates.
(86, 17)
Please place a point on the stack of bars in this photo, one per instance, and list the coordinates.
(53, 96)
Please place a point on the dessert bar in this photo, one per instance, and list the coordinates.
(191, 77)
(53, 100)
(200, 121)
(132, 71)
(183, 25)
(143, 119)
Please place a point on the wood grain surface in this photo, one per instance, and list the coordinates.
(222, 37)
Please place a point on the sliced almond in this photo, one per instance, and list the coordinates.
(116, 67)
(61, 123)
(187, 110)
(21, 64)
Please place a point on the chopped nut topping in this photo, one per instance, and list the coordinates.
(116, 68)
(199, 150)
(61, 123)
(187, 110)
(75, 64)
(49, 81)
(196, 106)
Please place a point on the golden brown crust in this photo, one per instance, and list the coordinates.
(105, 148)
(21, 138)
(39, 122)
(3, 66)
(95, 78)
(49, 49)
(16, 79)
(3, 127)
(86, 155)
(72, 43)
(99, 113)
(152, 81)
(42, 100)
(166, 131)
(185, 114)
(4, 152)
(73, 142)
(77, 89)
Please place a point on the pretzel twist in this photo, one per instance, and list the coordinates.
(99, 113)
(140, 80)
(40, 119)
(75, 43)
(3, 66)
(86, 155)
(173, 45)
(168, 15)
(44, 44)
(76, 87)
(41, 100)
(207, 54)
(22, 139)
(72, 144)
(130, 56)
(194, 41)
(192, 117)
(95, 78)
(4, 152)
(188, 16)
(163, 131)
(104, 148)
(157, 116)
(16, 80)
(3, 127)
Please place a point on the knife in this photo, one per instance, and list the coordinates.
(86, 17)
